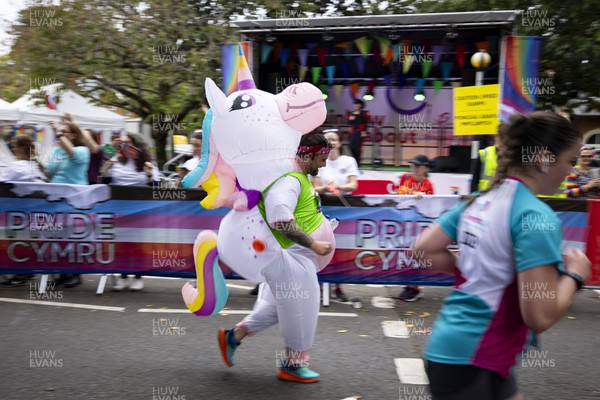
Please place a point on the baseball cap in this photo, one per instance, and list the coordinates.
(420, 159)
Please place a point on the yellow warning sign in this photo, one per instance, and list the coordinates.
(476, 110)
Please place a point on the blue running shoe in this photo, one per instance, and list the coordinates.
(228, 344)
(295, 373)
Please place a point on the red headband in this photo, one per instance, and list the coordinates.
(316, 149)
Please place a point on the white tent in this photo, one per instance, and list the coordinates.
(8, 112)
(85, 114)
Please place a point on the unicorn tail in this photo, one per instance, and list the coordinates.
(211, 295)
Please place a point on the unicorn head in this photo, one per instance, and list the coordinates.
(257, 133)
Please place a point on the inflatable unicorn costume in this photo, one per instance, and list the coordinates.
(250, 140)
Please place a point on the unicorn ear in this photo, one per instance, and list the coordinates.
(216, 98)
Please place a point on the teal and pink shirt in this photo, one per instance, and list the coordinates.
(503, 232)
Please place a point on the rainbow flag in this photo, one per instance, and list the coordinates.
(521, 75)
(232, 63)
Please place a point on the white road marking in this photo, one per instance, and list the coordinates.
(232, 312)
(240, 286)
(383, 302)
(395, 329)
(411, 371)
(337, 314)
(597, 291)
(59, 304)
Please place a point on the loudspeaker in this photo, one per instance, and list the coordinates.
(462, 155)
(444, 164)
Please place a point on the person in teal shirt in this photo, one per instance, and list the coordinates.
(70, 159)
(513, 281)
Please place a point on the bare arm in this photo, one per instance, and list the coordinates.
(293, 232)
(66, 145)
(430, 249)
(104, 171)
(90, 142)
(351, 186)
(318, 185)
(544, 295)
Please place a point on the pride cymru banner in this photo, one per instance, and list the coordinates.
(53, 228)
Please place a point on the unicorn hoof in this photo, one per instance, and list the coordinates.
(189, 293)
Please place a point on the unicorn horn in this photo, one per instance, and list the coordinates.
(245, 80)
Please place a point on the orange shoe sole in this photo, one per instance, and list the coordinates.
(223, 346)
(284, 376)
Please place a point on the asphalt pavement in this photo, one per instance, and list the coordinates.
(144, 345)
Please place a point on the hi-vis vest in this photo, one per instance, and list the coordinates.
(307, 215)
(489, 162)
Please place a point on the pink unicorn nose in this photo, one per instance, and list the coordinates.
(302, 106)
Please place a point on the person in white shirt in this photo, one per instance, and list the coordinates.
(131, 167)
(191, 164)
(26, 168)
(341, 172)
(338, 177)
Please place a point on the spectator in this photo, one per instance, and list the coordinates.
(338, 177)
(485, 165)
(191, 164)
(415, 183)
(69, 163)
(110, 149)
(92, 141)
(26, 168)
(584, 181)
(358, 120)
(133, 166)
(70, 159)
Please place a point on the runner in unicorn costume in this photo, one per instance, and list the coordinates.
(251, 161)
